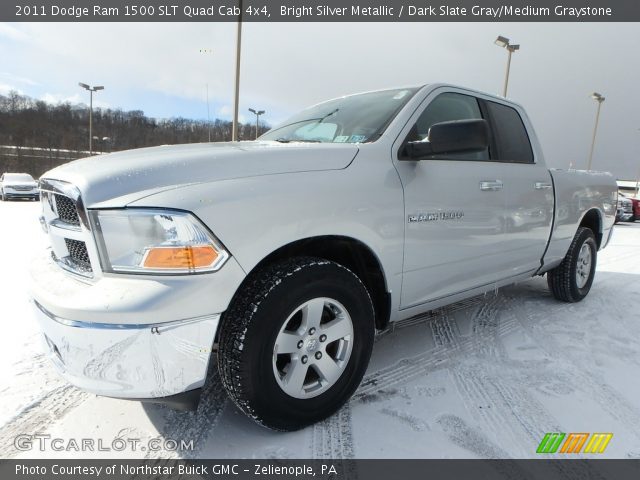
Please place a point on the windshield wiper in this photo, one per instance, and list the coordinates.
(316, 120)
(298, 140)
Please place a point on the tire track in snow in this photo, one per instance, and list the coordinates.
(333, 437)
(39, 415)
(198, 425)
(449, 349)
(484, 387)
(608, 399)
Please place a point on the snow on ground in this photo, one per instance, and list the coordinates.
(485, 378)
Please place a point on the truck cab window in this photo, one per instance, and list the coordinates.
(444, 108)
(510, 134)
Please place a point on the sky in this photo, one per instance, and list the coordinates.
(164, 69)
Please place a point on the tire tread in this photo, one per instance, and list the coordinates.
(238, 318)
(560, 279)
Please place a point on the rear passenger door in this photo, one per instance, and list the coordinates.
(528, 188)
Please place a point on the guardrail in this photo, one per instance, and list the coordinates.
(35, 160)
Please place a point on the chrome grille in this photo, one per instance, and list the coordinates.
(65, 219)
(67, 211)
(78, 253)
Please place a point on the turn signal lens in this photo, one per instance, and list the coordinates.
(189, 257)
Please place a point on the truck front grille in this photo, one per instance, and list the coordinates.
(78, 253)
(65, 219)
(67, 211)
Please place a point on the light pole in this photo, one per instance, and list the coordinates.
(101, 141)
(91, 90)
(504, 43)
(236, 99)
(257, 113)
(598, 98)
(208, 51)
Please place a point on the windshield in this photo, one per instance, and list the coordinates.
(353, 119)
(18, 177)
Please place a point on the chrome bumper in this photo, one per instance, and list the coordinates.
(130, 360)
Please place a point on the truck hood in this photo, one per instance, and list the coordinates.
(120, 178)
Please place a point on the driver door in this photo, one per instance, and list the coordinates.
(454, 210)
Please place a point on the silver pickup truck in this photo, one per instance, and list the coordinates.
(282, 257)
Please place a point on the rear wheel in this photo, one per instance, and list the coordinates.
(296, 342)
(572, 279)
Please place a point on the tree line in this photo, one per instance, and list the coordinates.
(29, 124)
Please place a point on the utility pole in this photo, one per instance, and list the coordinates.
(208, 115)
(236, 100)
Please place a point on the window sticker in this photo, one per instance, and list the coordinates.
(357, 138)
(341, 139)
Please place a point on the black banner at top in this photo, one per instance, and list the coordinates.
(319, 10)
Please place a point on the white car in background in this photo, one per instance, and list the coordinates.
(18, 185)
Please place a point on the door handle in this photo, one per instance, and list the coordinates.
(490, 185)
(542, 186)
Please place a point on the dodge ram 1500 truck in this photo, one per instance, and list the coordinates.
(280, 258)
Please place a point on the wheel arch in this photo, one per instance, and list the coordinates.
(348, 252)
(592, 219)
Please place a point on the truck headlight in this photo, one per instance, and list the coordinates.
(146, 240)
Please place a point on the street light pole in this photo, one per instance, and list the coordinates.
(257, 113)
(236, 100)
(209, 51)
(598, 98)
(91, 90)
(504, 43)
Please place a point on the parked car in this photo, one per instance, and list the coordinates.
(635, 207)
(18, 185)
(285, 255)
(624, 211)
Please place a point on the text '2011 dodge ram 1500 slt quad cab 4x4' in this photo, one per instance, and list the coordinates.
(283, 256)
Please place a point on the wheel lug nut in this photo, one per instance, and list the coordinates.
(300, 344)
(323, 338)
(305, 359)
(312, 331)
(318, 355)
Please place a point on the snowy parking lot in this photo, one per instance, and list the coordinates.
(486, 378)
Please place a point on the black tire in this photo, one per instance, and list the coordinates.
(250, 326)
(562, 280)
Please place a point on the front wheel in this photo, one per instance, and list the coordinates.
(296, 342)
(571, 280)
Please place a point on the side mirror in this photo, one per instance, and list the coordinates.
(458, 136)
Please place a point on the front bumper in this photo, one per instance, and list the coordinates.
(35, 194)
(132, 337)
(130, 361)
